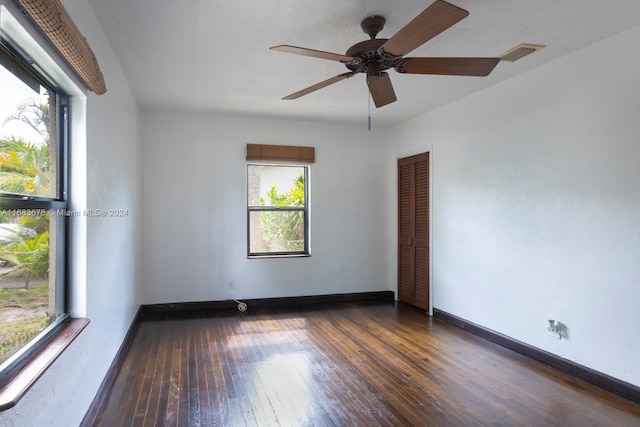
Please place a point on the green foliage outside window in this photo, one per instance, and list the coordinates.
(25, 169)
(284, 230)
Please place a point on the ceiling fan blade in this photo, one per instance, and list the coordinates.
(381, 90)
(320, 85)
(313, 53)
(449, 66)
(431, 22)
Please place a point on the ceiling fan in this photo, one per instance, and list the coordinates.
(374, 56)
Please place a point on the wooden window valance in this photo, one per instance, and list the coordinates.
(280, 153)
(54, 21)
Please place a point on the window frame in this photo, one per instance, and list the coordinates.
(14, 365)
(304, 209)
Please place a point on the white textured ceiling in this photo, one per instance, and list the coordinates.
(213, 55)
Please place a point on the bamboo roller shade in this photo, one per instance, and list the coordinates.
(52, 19)
(280, 153)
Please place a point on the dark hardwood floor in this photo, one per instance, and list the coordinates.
(348, 364)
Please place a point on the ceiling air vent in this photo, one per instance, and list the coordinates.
(520, 52)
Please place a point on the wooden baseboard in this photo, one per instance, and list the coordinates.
(153, 310)
(604, 381)
(92, 414)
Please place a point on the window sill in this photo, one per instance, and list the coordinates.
(14, 390)
(279, 256)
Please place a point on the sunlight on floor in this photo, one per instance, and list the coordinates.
(287, 379)
(261, 326)
(287, 337)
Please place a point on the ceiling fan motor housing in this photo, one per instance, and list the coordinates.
(368, 52)
(370, 58)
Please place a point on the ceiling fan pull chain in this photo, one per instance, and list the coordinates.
(369, 98)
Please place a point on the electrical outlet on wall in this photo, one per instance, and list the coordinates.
(232, 284)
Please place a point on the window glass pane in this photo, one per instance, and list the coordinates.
(277, 209)
(276, 185)
(27, 138)
(276, 231)
(27, 276)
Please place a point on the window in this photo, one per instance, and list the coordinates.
(278, 209)
(33, 209)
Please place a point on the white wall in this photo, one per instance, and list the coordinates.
(109, 293)
(194, 209)
(537, 205)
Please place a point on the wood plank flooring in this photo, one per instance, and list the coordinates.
(348, 364)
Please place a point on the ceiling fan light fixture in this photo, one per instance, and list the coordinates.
(520, 52)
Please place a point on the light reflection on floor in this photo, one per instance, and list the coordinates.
(280, 382)
(288, 391)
